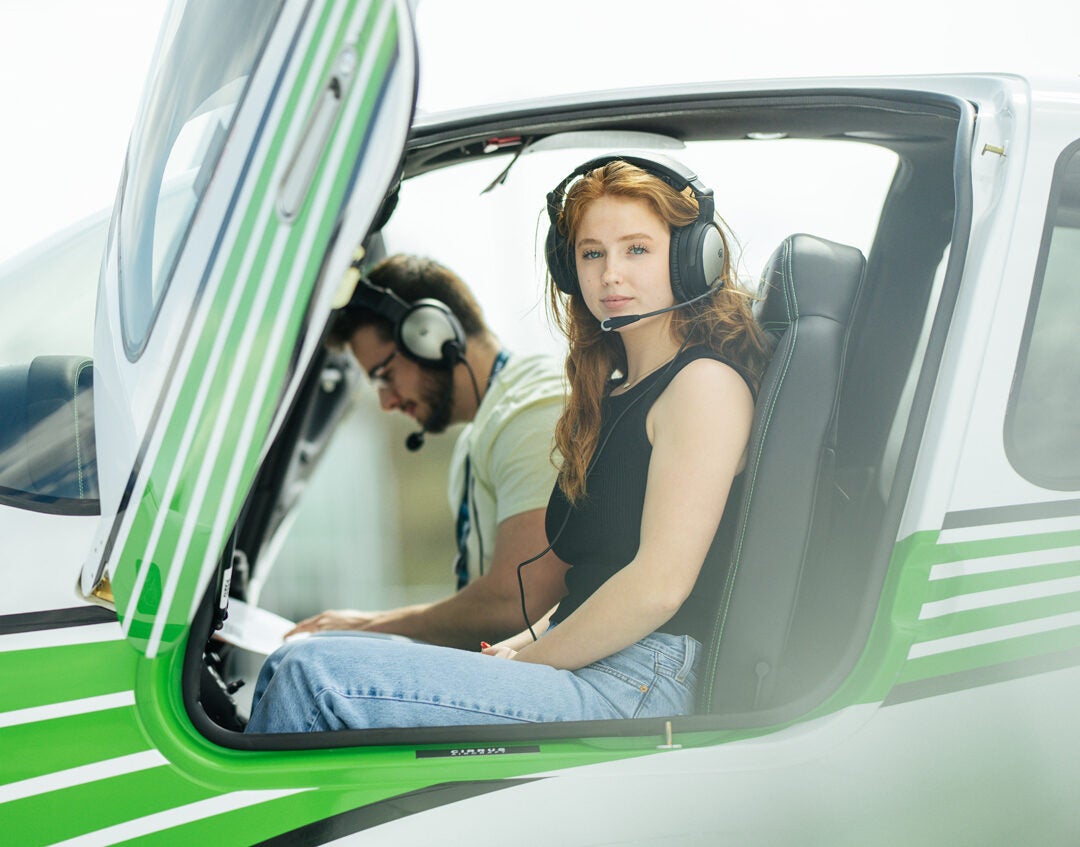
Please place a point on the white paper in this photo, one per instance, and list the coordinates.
(252, 628)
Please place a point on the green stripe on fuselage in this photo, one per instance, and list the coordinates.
(978, 620)
(257, 823)
(43, 747)
(45, 819)
(994, 653)
(943, 589)
(47, 675)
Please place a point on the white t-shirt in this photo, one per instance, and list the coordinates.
(509, 444)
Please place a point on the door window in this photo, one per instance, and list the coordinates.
(1042, 428)
(177, 141)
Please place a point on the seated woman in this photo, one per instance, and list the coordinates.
(643, 287)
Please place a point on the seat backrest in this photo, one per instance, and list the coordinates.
(48, 459)
(809, 288)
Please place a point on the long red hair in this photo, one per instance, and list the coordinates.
(725, 324)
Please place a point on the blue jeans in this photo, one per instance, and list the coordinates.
(340, 680)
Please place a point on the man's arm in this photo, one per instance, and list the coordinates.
(511, 458)
(489, 607)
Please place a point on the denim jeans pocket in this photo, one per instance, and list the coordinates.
(656, 676)
(675, 656)
(624, 682)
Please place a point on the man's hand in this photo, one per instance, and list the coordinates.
(333, 619)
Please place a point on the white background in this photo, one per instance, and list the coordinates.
(71, 71)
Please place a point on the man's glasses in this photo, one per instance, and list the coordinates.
(380, 375)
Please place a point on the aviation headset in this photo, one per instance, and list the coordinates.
(426, 331)
(697, 249)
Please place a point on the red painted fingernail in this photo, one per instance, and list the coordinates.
(484, 645)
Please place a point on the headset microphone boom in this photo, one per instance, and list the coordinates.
(608, 324)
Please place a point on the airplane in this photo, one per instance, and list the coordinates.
(897, 651)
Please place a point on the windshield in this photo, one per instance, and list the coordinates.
(178, 138)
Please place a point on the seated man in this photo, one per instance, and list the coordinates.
(420, 335)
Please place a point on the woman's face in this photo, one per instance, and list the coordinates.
(622, 251)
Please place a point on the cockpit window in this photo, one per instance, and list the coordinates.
(48, 456)
(196, 82)
(1044, 410)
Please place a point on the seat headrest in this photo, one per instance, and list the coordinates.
(801, 278)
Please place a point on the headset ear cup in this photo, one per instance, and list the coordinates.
(678, 263)
(557, 253)
(431, 334)
(697, 259)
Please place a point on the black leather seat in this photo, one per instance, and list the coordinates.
(778, 579)
(48, 459)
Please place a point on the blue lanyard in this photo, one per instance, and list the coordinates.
(464, 521)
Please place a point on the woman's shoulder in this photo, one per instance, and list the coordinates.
(699, 364)
(705, 386)
(708, 376)
(705, 392)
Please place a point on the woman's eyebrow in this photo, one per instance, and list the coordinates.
(633, 236)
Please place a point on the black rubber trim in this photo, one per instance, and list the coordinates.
(1011, 514)
(978, 677)
(386, 811)
(47, 504)
(55, 619)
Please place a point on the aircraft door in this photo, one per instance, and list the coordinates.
(267, 138)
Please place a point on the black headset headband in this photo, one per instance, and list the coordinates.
(674, 173)
(426, 331)
(381, 301)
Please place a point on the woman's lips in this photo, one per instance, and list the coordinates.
(615, 302)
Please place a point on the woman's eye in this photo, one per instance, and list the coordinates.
(590, 254)
(639, 249)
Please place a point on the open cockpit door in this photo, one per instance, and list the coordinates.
(269, 134)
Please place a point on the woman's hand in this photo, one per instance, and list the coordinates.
(508, 647)
(499, 651)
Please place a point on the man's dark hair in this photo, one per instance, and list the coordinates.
(412, 278)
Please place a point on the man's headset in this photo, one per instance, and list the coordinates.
(426, 330)
(697, 249)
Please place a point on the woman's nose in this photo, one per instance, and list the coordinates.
(612, 274)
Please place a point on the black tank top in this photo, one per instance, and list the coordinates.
(603, 530)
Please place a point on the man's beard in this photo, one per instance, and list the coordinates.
(437, 393)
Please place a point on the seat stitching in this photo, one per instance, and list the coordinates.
(721, 618)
